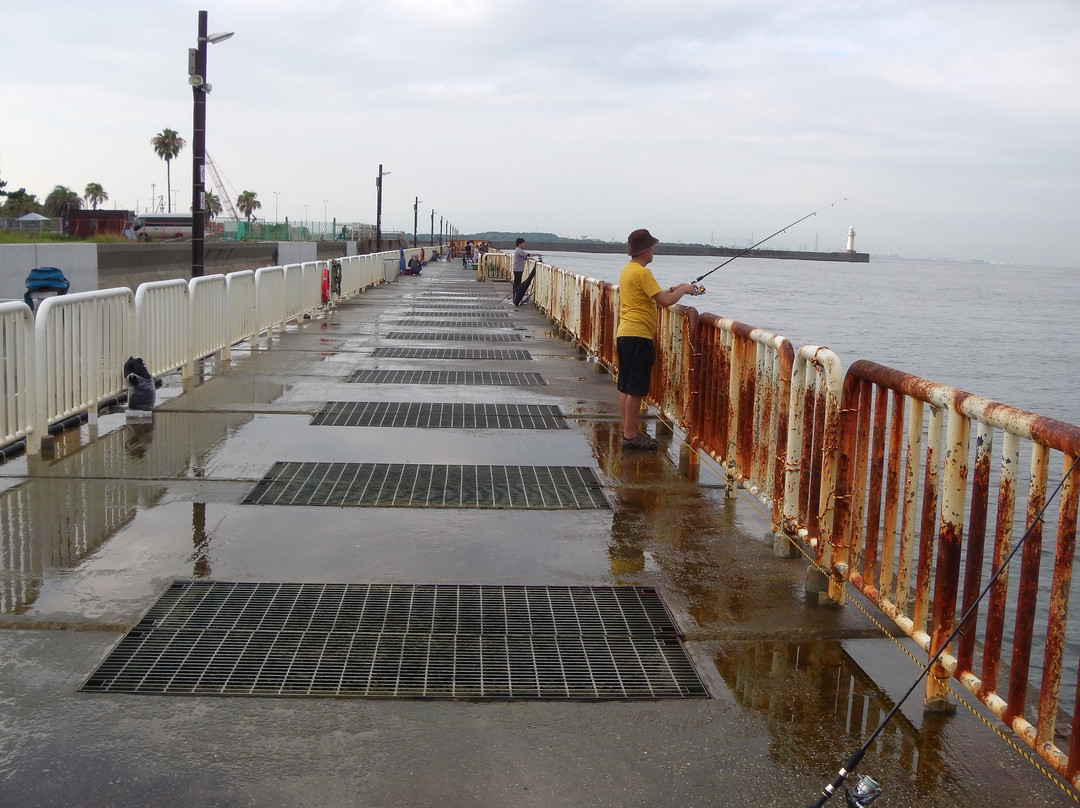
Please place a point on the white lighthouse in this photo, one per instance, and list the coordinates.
(850, 240)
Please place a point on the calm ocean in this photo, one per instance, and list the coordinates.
(1008, 333)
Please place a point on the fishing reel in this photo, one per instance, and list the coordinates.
(865, 790)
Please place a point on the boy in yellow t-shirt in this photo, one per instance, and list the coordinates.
(639, 296)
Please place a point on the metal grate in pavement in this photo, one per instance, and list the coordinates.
(402, 641)
(444, 336)
(505, 354)
(459, 306)
(427, 312)
(469, 378)
(403, 485)
(436, 322)
(428, 415)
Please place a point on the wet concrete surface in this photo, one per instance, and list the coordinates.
(93, 534)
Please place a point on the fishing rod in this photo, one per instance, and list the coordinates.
(867, 788)
(758, 244)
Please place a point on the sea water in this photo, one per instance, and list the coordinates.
(1005, 332)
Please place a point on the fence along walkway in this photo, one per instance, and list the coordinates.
(68, 360)
(887, 482)
(852, 469)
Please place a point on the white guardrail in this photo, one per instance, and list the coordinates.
(69, 359)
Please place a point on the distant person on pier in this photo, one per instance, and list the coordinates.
(639, 297)
(519, 260)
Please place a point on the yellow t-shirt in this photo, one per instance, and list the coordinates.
(637, 309)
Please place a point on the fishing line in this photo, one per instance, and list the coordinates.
(758, 244)
(852, 762)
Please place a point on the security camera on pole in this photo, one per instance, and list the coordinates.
(199, 88)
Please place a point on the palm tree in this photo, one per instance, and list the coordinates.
(95, 194)
(248, 202)
(61, 200)
(211, 204)
(167, 144)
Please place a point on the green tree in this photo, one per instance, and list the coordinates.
(95, 194)
(167, 144)
(211, 204)
(61, 200)
(247, 203)
(19, 203)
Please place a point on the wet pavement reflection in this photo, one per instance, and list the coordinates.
(96, 530)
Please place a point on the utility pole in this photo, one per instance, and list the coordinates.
(199, 88)
(432, 227)
(378, 208)
(415, 209)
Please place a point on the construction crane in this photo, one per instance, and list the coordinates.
(223, 192)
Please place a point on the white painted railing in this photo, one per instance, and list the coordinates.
(70, 360)
(243, 318)
(82, 341)
(17, 381)
(209, 323)
(270, 300)
(162, 339)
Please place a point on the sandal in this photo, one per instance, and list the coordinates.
(639, 441)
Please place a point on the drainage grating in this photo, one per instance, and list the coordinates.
(428, 313)
(442, 336)
(433, 322)
(461, 309)
(460, 286)
(210, 638)
(429, 415)
(403, 485)
(470, 378)
(508, 354)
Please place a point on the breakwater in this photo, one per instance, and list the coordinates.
(543, 247)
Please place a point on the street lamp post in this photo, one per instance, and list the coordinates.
(277, 195)
(199, 88)
(324, 217)
(378, 208)
(415, 209)
(433, 227)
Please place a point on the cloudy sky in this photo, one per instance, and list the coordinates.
(950, 127)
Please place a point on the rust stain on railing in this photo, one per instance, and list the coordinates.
(890, 482)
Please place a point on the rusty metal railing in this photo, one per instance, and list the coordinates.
(916, 495)
(887, 481)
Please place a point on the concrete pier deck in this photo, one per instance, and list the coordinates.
(94, 533)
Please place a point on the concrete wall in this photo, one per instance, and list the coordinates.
(79, 263)
(107, 266)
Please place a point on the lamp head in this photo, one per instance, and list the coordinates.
(220, 36)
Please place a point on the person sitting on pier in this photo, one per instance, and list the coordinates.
(414, 266)
(639, 297)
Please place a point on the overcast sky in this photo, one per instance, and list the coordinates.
(951, 128)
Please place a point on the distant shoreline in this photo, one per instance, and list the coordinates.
(681, 249)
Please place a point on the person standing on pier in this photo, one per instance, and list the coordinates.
(520, 255)
(639, 297)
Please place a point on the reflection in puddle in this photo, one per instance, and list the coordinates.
(74, 503)
(820, 706)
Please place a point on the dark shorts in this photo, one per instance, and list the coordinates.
(636, 357)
